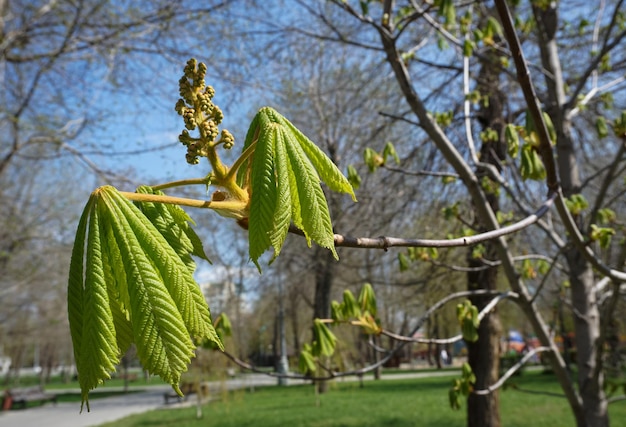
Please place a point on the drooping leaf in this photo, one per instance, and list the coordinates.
(336, 311)
(328, 171)
(163, 343)
(175, 276)
(316, 223)
(306, 363)
(353, 177)
(369, 324)
(367, 299)
(98, 344)
(283, 175)
(173, 223)
(264, 196)
(512, 140)
(75, 286)
(117, 289)
(324, 341)
(468, 319)
(350, 307)
(283, 210)
(127, 284)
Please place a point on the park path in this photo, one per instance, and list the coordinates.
(109, 409)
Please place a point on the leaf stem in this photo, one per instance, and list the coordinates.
(242, 158)
(230, 208)
(192, 181)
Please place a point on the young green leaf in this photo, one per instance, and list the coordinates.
(176, 277)
(512, 140)
(324, 340)
(367, 299)
(283, 176)
(174, 224)
(127, 284)
(350, 307)
(93, 330)
(306, 363)
(163, 343)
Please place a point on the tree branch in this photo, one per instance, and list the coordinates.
(459, 337)
(508, 374)
(389, 242)
(545, 147)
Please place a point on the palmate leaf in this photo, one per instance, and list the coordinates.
(283, 176)
(127, 284)
(173, 223)
(91, 321)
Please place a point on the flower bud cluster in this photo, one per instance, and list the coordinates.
(227, 139)
(198, 111)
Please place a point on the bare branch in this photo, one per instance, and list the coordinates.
(388, 242)
(459, 337)
(545, 148)
(508, 374)
(616, 399)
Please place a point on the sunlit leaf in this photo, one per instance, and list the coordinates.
(127, 284)
(283, 176)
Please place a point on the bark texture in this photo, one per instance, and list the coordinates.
(584, 302)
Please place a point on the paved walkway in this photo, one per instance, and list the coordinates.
(102, 410)
(109, 409)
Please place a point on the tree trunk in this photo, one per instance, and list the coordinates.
(324, 268)
(484, 354)
(584, 302)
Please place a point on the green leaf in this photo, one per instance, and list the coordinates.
(264, 197)
(174, 224)
(390, 150)
(403, 261)
(367, 299)
(350, 307)
(512, 140)
(91, 320)
(130, 285)
(336, 311)
(284, 181)
(606, 216)
(372, 159)
(531, 166)
(306, 364)
(602, 235)
(172, 272)
(223, 328)
(75, 286)
(284, 175)
(576, 203)
(328, 171)
(117, 289)
(324, 340)
(468, 319)
(163, 343)
(601, 127)
(353, 177)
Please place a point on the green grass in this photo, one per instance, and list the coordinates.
(421, 402)
(56, 383)
(74, 398)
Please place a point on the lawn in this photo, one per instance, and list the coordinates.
(418, 402)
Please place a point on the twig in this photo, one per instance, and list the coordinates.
(388, 242)
(616, 399)
(456, 338)
(508, 374)
(545, 147)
